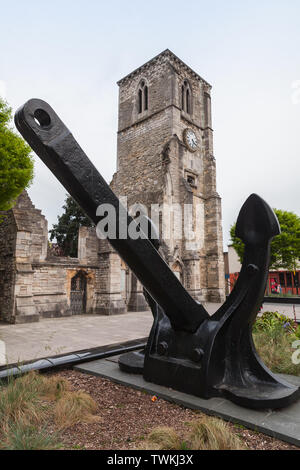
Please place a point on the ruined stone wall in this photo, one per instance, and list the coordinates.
(88, 245)
(32, 231)
(33, 283)
(49, 289)
(7, 266)
(31, 246)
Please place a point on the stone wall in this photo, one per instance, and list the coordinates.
(7, 265)
(88, 246)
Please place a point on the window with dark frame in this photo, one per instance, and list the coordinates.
(186, 97)
(188, 106)
(140, 101)
(143, 97)
(146, 98)
(191, 180)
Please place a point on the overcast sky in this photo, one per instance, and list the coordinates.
(71, 53)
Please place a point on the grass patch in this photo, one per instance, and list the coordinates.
(206, 433)
(33, 404)
(73, 408)
(47, 387)
(18, 403)
(24, 437)
(213, 434)
(162, 438)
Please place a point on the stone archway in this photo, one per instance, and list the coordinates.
(78, 293)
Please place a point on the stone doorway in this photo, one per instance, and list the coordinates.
(78, 293)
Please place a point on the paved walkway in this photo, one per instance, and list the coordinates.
(52, 336)
(286, 309)
(49, 337)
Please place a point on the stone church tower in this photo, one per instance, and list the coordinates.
(165, 157)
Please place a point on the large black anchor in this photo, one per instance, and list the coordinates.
(187, 349)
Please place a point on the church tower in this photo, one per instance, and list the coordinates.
(165, 158)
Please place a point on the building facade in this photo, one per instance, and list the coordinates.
(165, 162)
(165, 157)
(279, 282)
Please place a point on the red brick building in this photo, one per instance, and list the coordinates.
(279, 282)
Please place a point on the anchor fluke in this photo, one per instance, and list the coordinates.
(256, 222)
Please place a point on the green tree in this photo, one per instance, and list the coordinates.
(66, 230)
(16, 163)
(285, 248)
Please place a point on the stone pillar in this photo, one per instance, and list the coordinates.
(109, 299)
(192, 276)
(214, 251)
(137, 301)
(215, 272)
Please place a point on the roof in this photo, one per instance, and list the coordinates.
(166, 53)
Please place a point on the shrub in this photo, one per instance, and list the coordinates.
(162, 438)
(297, 332)
(73, 408)
(18, 403)
(213, 434)
(276, 352)
(272, 321)
(273, 335)
(207, 433)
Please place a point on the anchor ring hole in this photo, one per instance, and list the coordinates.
(42, 118)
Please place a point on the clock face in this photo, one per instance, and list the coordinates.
(190, 139)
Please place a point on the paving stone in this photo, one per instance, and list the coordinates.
(55, 335)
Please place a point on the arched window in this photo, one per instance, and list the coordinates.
(146, 98)
(188, 104)
(142, 97)
(186, 97)
(140, 101)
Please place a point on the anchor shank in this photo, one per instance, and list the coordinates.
(58, 149)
